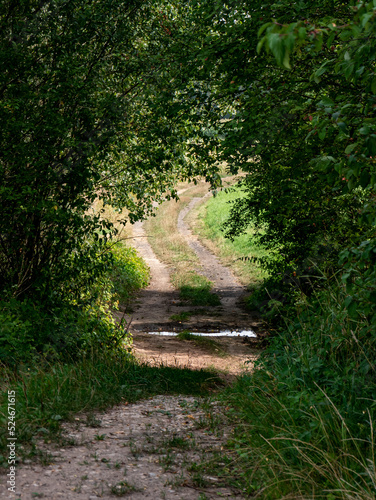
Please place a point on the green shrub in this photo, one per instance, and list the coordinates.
(62, 327)
(129, 272)
(31, 330)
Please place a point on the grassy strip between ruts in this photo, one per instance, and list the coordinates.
(46, 396)
(170, 247)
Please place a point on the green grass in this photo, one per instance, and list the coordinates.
(239, 254)
(199, 296)
(129, 272)
(178, 442)
(183, 316)
(46, 396)
(304, 422)
(123, 489)
(171, 247)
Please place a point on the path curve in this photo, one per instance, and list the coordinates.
(225, 284)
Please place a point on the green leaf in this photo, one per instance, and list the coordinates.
(260, 44)
(366, 17)
(343, 127)
(365, 130)
(286, 60)
(263, 28)
(322, 134)
(351, 148)
(325, 101)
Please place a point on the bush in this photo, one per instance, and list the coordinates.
(62, 327)
(30, 330)
(129, 272)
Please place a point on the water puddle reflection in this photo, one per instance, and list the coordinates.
(223, 333)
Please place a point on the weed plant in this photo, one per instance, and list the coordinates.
(307, 413)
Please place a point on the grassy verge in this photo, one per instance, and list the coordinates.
(170, 247)
(304, 422)
(46, 396)
(239, 254)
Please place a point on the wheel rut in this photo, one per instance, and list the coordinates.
(159, 304)
(225, 284)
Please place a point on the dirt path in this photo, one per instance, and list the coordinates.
(156, 301)
(149, 449)
(159, 304)
(226, 285)
(145, 450)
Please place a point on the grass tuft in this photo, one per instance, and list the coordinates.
(183, 316)
(199, 296)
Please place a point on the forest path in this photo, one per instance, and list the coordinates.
(150, 449)
(159, 306)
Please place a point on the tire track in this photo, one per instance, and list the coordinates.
(225, 284)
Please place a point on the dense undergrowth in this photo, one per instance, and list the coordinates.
(304, 419)
(308, 412)
(303, 422)
(64, 326)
